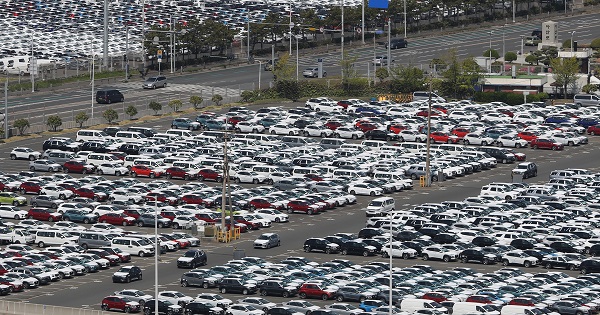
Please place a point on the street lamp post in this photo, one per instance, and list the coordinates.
(342, 39)
(490, 63)
(405, 19)
(503, 49)
(363, 22)
(572, 48)
(522, 45)
(259, 71)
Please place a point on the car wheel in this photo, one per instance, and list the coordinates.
(291, 133)
(32, 168)
(554, 148)
(86, 220)
(366, 253)
(405, 256)
(54, 206)
(385, 255)
(13, 157)
(205, 285)
(309, 212)
(147, 311)
(518, 145)
(344, 252)
(353, 192)
(16, 203)
(160, 225)
(339, 298)
(527, 264)
(446, 258)
(277, 220)
(572, 267)
(324, 74)
(41, 244)
(168, 176)
(104, 307)
(372, 193)
(176, 226)
(223, 290)
(434, 178)
(33, 204)
(534, 146)
(425, 257)
(66, 170)
(505, 262)
(466, 142)
(328, 251)
(140, 224)
(201, 178)
(354, 137)
(141, 254)
(413, 176)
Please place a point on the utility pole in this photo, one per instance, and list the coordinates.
(6, 108)
(342, 40)
(126, 52)
(363, 22)
(428, 157)
(105, 52)
(33, 66)
(143, 34)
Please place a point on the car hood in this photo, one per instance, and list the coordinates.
(120, 274)
(186, 259)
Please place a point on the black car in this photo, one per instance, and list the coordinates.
(164, 307)
(396, 43)
(320, 244)
(369, 233)
(475, 254)
(201, 308)
(354, 247)
(522, 244)
(109, 96)
(444, 238)
(55, 144)
(127, 273)
(192, 258)
(95, 146)
(483, 241)
(564, 247)
(415, 245)
(277, 288)
(235, 285)
(526, 169)
(407, 235)
(147, 219)
(559, 262)
(589, 266)
(130, 148)
(377, 134)
(112, 131)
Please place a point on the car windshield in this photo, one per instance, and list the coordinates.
(190, 253)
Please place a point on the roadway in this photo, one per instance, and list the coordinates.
(87, 291)
(230, 81)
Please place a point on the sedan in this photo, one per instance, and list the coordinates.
(377, 134)
(127, 273)
(544, 143)
(246, 126)
(411, 135)
(44, 165)
(365, 189)
(348, 133)
(119, 303)
(117, 219)
(45, 201)
(511, 141)
(12, 212)
(112, 169)
(283, 129)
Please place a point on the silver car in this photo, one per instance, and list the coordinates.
(44, 165)
(154, 82)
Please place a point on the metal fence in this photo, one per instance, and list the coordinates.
(19, 308)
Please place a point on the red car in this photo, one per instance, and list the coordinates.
(593, 130)
(506, 112)
(68, 186)
(143, 170)
(543, 143)
(397, 128)
(434, 296)
(178, 172)
(527, 135)
(125, 257)
(9, 282)
(210, 217)
(192, 199)
(30, 188)
(302, 206)
(260, 203)
(152, 196)
(315, 290)
(314, 177)
(116, 219)
(333, 125)
(208, 173)
(120, 303)
(460, 132)
(120, 155)
(443, 137)
(235, 119)
(522, 302)
(75, 166)
(44, 214)
(91, 194)
(134, 213)
(113, 259)
(168, 214)
(440, 108)
(344, 104)
(365, 126)
(425, 113)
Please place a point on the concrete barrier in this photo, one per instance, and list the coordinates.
(19, 308)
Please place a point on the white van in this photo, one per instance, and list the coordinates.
(342, 172)
(87, 135)
(374, 144)
(265, 170)
(133, 246)
(520, 310)
(412, 305)
(380, 205)
(44, 238)
(185, 134)
(301, 171)
(188, 165)
(130, 136)
(101, 158)
(413, 147)
(130, 160)
(464, 308)
(152, 163)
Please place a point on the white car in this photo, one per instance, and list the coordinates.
(125, 195)
(398, 250)
(44, 165)
(106, 227)
(328, 107)
(439, 252)
(511, 140)
(258, 302)
(175, 297)
(244, 309)
(112, 169)
(24, 153)
(186, 222)
(310, 103)
(249, 177)
(411, 136)
(104, 209)
(365, 189)
(317, 131)
(68, 226)
(214, 300)
(518, 258)
(348, 133)
(528, 118)
(246, 126)
(135, 295)
(283, 129)
(56, 191)
(12, 212)
(72, 205)
(273, 215)
(477, 139)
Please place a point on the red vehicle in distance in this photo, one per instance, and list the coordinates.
(117, 219)
(145, 171)
(44, 214)
(544, 143)
(28, 187)
(443, 137)
(75, 166)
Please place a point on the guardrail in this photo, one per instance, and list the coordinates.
(20, 308)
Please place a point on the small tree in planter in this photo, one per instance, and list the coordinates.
(155, 106)
(81, 118)
(217, 99)
(131, 111)
(54, 122)
(21, 124)
(110, 115)
(196, 101)
(175, 105)
(510, 56)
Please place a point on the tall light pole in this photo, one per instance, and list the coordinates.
(171, 42)
(522, 45)
(342, 39)
(389, 50)
(297, 56)
(405, 19)
(490, 50)
(143, 34)
(514, 9)
(248, 36)
(32, 66)
(105, 52)
(93, 73)
(259, 71)
(156, 253)
(126, 52)
(503, 41)
(572, 48)
(291, 25)
(363, 22)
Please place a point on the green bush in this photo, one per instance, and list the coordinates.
(81, 118)
(155, 106)
(196, 101)
(21, 124)
(175, 105)
(510, 56)
(110, 115)
(247, 96)
(217, 99)
(494, 53)
(131, 111)
(595, 43)
(54, 122)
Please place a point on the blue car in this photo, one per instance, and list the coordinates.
(369, 305)
(587, 122)
(185, 123)
(368, 110)
(557, 119)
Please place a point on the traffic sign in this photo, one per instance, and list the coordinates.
(321, 29)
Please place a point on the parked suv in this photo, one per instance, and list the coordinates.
(277, 288)
(235, 285)
(397, 43)
(320, 244)
(192, 258)
(475, 254)
(527, 169)
(154, 82)
(586, 100)
(109, 96)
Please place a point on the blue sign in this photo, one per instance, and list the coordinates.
(378, 4)
(378, 32)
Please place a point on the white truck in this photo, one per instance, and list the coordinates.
(15, 236)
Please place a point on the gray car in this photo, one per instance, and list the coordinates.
(198, 279)
(45, 201)
(44, 165)
(344, 309)
(300, 306)
(154, 82)
(288, 184)
(147, 219)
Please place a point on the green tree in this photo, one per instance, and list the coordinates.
(460, 78)
(566, 44)
(175, 105)
(564, 71)
(289, 89)
(589, 88)
(347, 64)
(54, 122)
(284, 69)
(247, 96)
(155, 106)
(546, 54)
(493, 52)
(595, 44)
(110, 115)
(510, 56)
(81, 118)
(217, 99)
(406, 79)
(532, 59)
(21, 124)
(381, 74)
(131, 111)
(196, 101)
